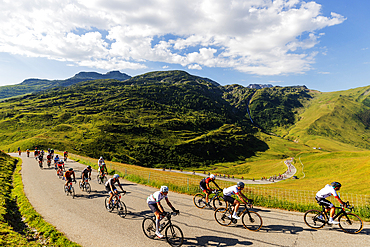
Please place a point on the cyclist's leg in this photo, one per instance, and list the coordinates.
(157, 214)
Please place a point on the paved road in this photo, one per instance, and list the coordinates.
(85, 220)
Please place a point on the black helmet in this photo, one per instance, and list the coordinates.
(240, 184)
(336, 184)
(88, 167)
(70, 169)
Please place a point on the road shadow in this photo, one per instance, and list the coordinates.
(214, 241)
(282, 229)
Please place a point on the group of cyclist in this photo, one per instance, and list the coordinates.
(154, 199)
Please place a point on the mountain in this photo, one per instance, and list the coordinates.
(37, 85)
(175, 119)
(259, 86)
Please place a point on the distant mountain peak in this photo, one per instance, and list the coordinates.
(109, 75)
(259, 86)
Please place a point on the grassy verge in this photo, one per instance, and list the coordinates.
(20, 224)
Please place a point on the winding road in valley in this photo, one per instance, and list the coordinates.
(84, 219)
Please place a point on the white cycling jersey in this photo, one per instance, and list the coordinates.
(231, 190)
(327, 191)
(155, 197)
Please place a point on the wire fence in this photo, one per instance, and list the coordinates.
(189, 184)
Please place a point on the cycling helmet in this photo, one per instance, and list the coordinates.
(115, 176)
(71, 169)
(212, 177)
(101, 157)
(88, 167)
(56, 156)
(336, 184)
(240, 184)
(164, 189)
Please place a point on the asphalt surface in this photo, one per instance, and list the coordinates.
(85, 220)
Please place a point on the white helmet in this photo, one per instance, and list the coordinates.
(115, 176)
(164, 189)
(212, 177)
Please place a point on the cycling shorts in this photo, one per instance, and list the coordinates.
(107, 188)
(229, 199)
(324, 202)
(69, 179)
(153, 207)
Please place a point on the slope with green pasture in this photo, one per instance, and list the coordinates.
(315, 170)
(335, 121)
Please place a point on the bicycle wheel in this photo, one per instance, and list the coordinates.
(87, 188)
(80, 185)
(252, 221)
(148, 226)
(99, 179)
(223, 216)
(312, 219)
(104, 180)
(174, 235)
(350, 223)
(219, 202)
(199, 200)
(72, 192)
(121, 209)
(110, 208)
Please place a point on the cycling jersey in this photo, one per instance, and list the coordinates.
(56, 159)
(233, 190)
(68, 174)
(206, 180)
(85, 172)
(325, 192)
(155, 197)
(110, 182)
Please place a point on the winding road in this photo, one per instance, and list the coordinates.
(84, 219)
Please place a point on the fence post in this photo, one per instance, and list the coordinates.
(149, 178)
(188, 184)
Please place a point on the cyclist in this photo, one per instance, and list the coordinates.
(86, 174)
(102, 169)
(65, 155)
(60, 165)
(68, 176)
(19, 151)
(48, 157)
(28, 152)
(109, 186)
(156, 207)
(40, 158)
(100, 161)
(204, 186)
(329, 190)
(235, 190)
(56, 160)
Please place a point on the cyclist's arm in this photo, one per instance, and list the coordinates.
(339, 200)
(241, 197)
(218, 187)
(119, 184)
(170, 205)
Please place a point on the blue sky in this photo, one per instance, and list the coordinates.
(323, 44)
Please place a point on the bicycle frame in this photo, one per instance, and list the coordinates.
(342, 211)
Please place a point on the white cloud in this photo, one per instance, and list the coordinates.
(253, 36)
(194, 66)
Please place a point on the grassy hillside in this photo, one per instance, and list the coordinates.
(315, 170)
(335, 121)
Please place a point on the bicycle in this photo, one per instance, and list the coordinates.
(59, 173)
(84, 185)
(173, 233)
(250, 219)
(348, 222)
(102, 179)
(40, 164)
(69, 190)
(49, 163)
(199, 200)
(116, 204)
